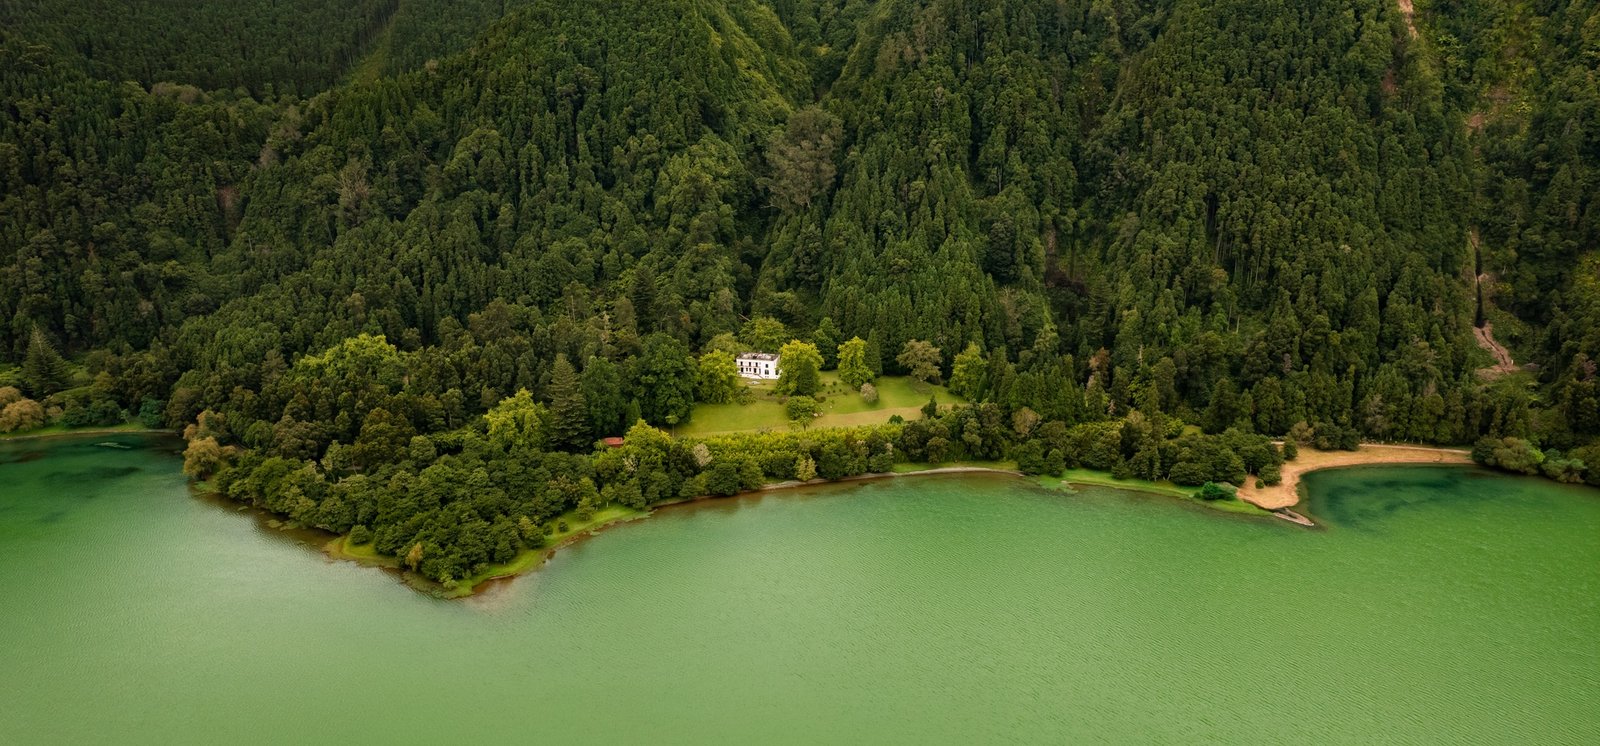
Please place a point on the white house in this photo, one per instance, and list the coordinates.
(758, 365)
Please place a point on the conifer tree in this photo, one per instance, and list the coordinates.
(569, 412)
(44, 372)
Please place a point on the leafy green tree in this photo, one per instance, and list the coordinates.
(800, 409)
(805, 469)
(802, 158)
(1214, 491)
(764, 333)
(968, 373)
(21, 414)
(799, 366)
(203, 457)
(921, 360)
(718, 377)
(518, 424)
(604, 395)
(853, 368)
(383, 438)
(665, 380)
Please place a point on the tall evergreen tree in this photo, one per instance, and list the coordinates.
(44, 372)
(569, 411)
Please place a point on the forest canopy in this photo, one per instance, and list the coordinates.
(400, 267)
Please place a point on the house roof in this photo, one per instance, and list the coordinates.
(758, 356)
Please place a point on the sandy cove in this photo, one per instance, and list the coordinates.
(1287, 493)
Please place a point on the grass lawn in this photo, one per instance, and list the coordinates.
(1165, 488)
(840, 405)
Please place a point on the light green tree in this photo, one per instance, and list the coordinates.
(921, 359)
(853, 368)
(764, 333)
(799, 366)
(518, 423)
(968, 372)
(719, 377)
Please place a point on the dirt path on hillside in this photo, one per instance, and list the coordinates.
(1503, 364)
(1407, 10)
(1287, 493)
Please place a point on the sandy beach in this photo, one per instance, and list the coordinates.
(1287, 493)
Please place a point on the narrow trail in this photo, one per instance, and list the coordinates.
(1484, 331)
(1503, 364)
(1407, 10)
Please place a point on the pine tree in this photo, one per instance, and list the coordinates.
(569, 411)
(43, 370)
(826, 338)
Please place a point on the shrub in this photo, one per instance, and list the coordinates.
(869, 393)
(1030, 457)
(1214, 491)
(360, 535)
(1187, 473)
(151, 412)
(22, 414)
(801, 408)
(1511, 454)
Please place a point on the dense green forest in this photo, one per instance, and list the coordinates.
(396, 267)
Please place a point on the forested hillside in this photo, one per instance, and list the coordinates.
(410, 300)
(264, 46)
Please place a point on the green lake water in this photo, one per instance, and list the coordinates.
(1434, 605)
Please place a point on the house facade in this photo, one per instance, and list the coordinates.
(761, 366)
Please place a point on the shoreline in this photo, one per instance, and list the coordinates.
(533, 559)
(85, 433)
(1274, 501)
(1287, 494)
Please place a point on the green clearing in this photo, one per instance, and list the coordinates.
(376, 60)
(840, 406)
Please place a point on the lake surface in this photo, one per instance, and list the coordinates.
(1437, 604)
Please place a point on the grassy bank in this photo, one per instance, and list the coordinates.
(526, 560)
(62, 431)
(1087, 477)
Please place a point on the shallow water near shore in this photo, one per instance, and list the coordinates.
(1432, 604)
